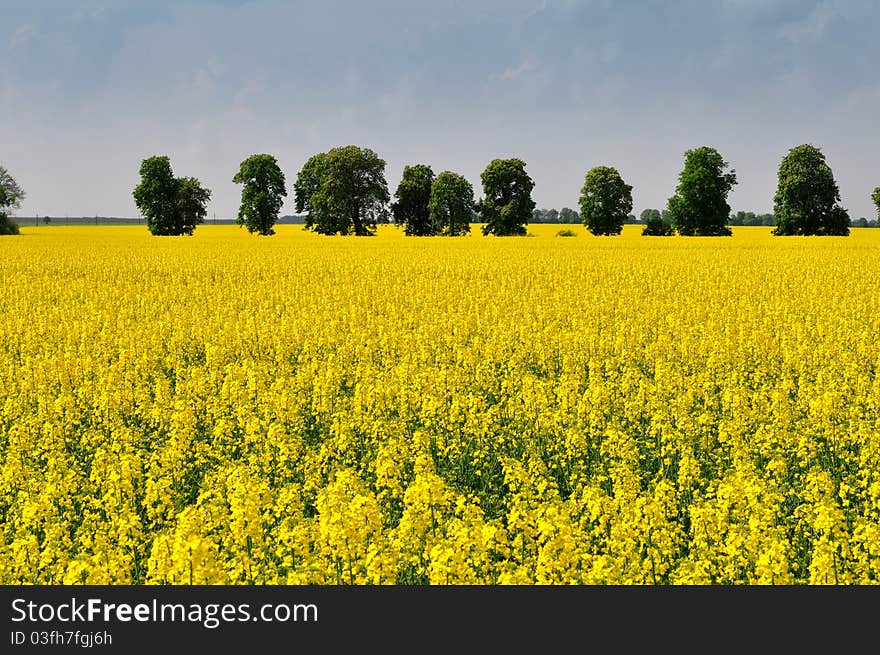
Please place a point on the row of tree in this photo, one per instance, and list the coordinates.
(343, 191)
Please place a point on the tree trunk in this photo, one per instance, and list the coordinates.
(358, 224)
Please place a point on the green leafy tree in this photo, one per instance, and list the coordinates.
(170, 206)
(451, 204)
(307, 183)
(876, 198)
(606, 201)
(699, 206)
(568, 215)
(807, 197)
(507, 203)
(192, 204)
(648, 214)
(657, 224)
(262, 193)
(343, 191)
(11, 195)
(413, 194)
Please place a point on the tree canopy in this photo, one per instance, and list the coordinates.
(343, 191)
(11, 195)
(568, 215)
(876, 198)
(262, 193)
(656, 223)
(451, 204)
(606, 201)
(807, 197)
(507, 203)
(699, 206)
(413, 195)
(170, 206)
(751, 218)
(192, 203)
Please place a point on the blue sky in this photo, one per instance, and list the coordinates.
(90, 88)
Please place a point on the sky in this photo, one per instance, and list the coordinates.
(90, 88)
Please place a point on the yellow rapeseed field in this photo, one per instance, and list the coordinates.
(226, 408)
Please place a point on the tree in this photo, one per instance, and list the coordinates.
(507, 203)
(344, 191)
(699, 206)
(155, 196)
(807, 197)
(192, 204)
(170, 206)
(656, 224)
(451, 205)
(568, 215)
(876, 198)
(606, 201)
(308, 181)
(11, 195)
(649, 214)
(262, 193)
(413, 194)
(862, 222)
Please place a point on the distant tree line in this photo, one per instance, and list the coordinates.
(753, 219)
(344, 192)
(566, 216)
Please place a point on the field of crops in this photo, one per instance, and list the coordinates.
(226, 408)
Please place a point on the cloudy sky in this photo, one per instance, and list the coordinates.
(89, 88)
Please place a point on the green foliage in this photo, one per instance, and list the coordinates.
(657, 223)
(605, 202)
(568, 215)
(11, 195)
(752, 219)
(699, 206)
(566, 233)
(192, 204)
(451, 205)
(7, 225)
(343, 191)
(308, 181)
(413, 194)
(876, 198)
(807, 197)
(170, 206)
(507, 203)
(565, 215)
(262, 194)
